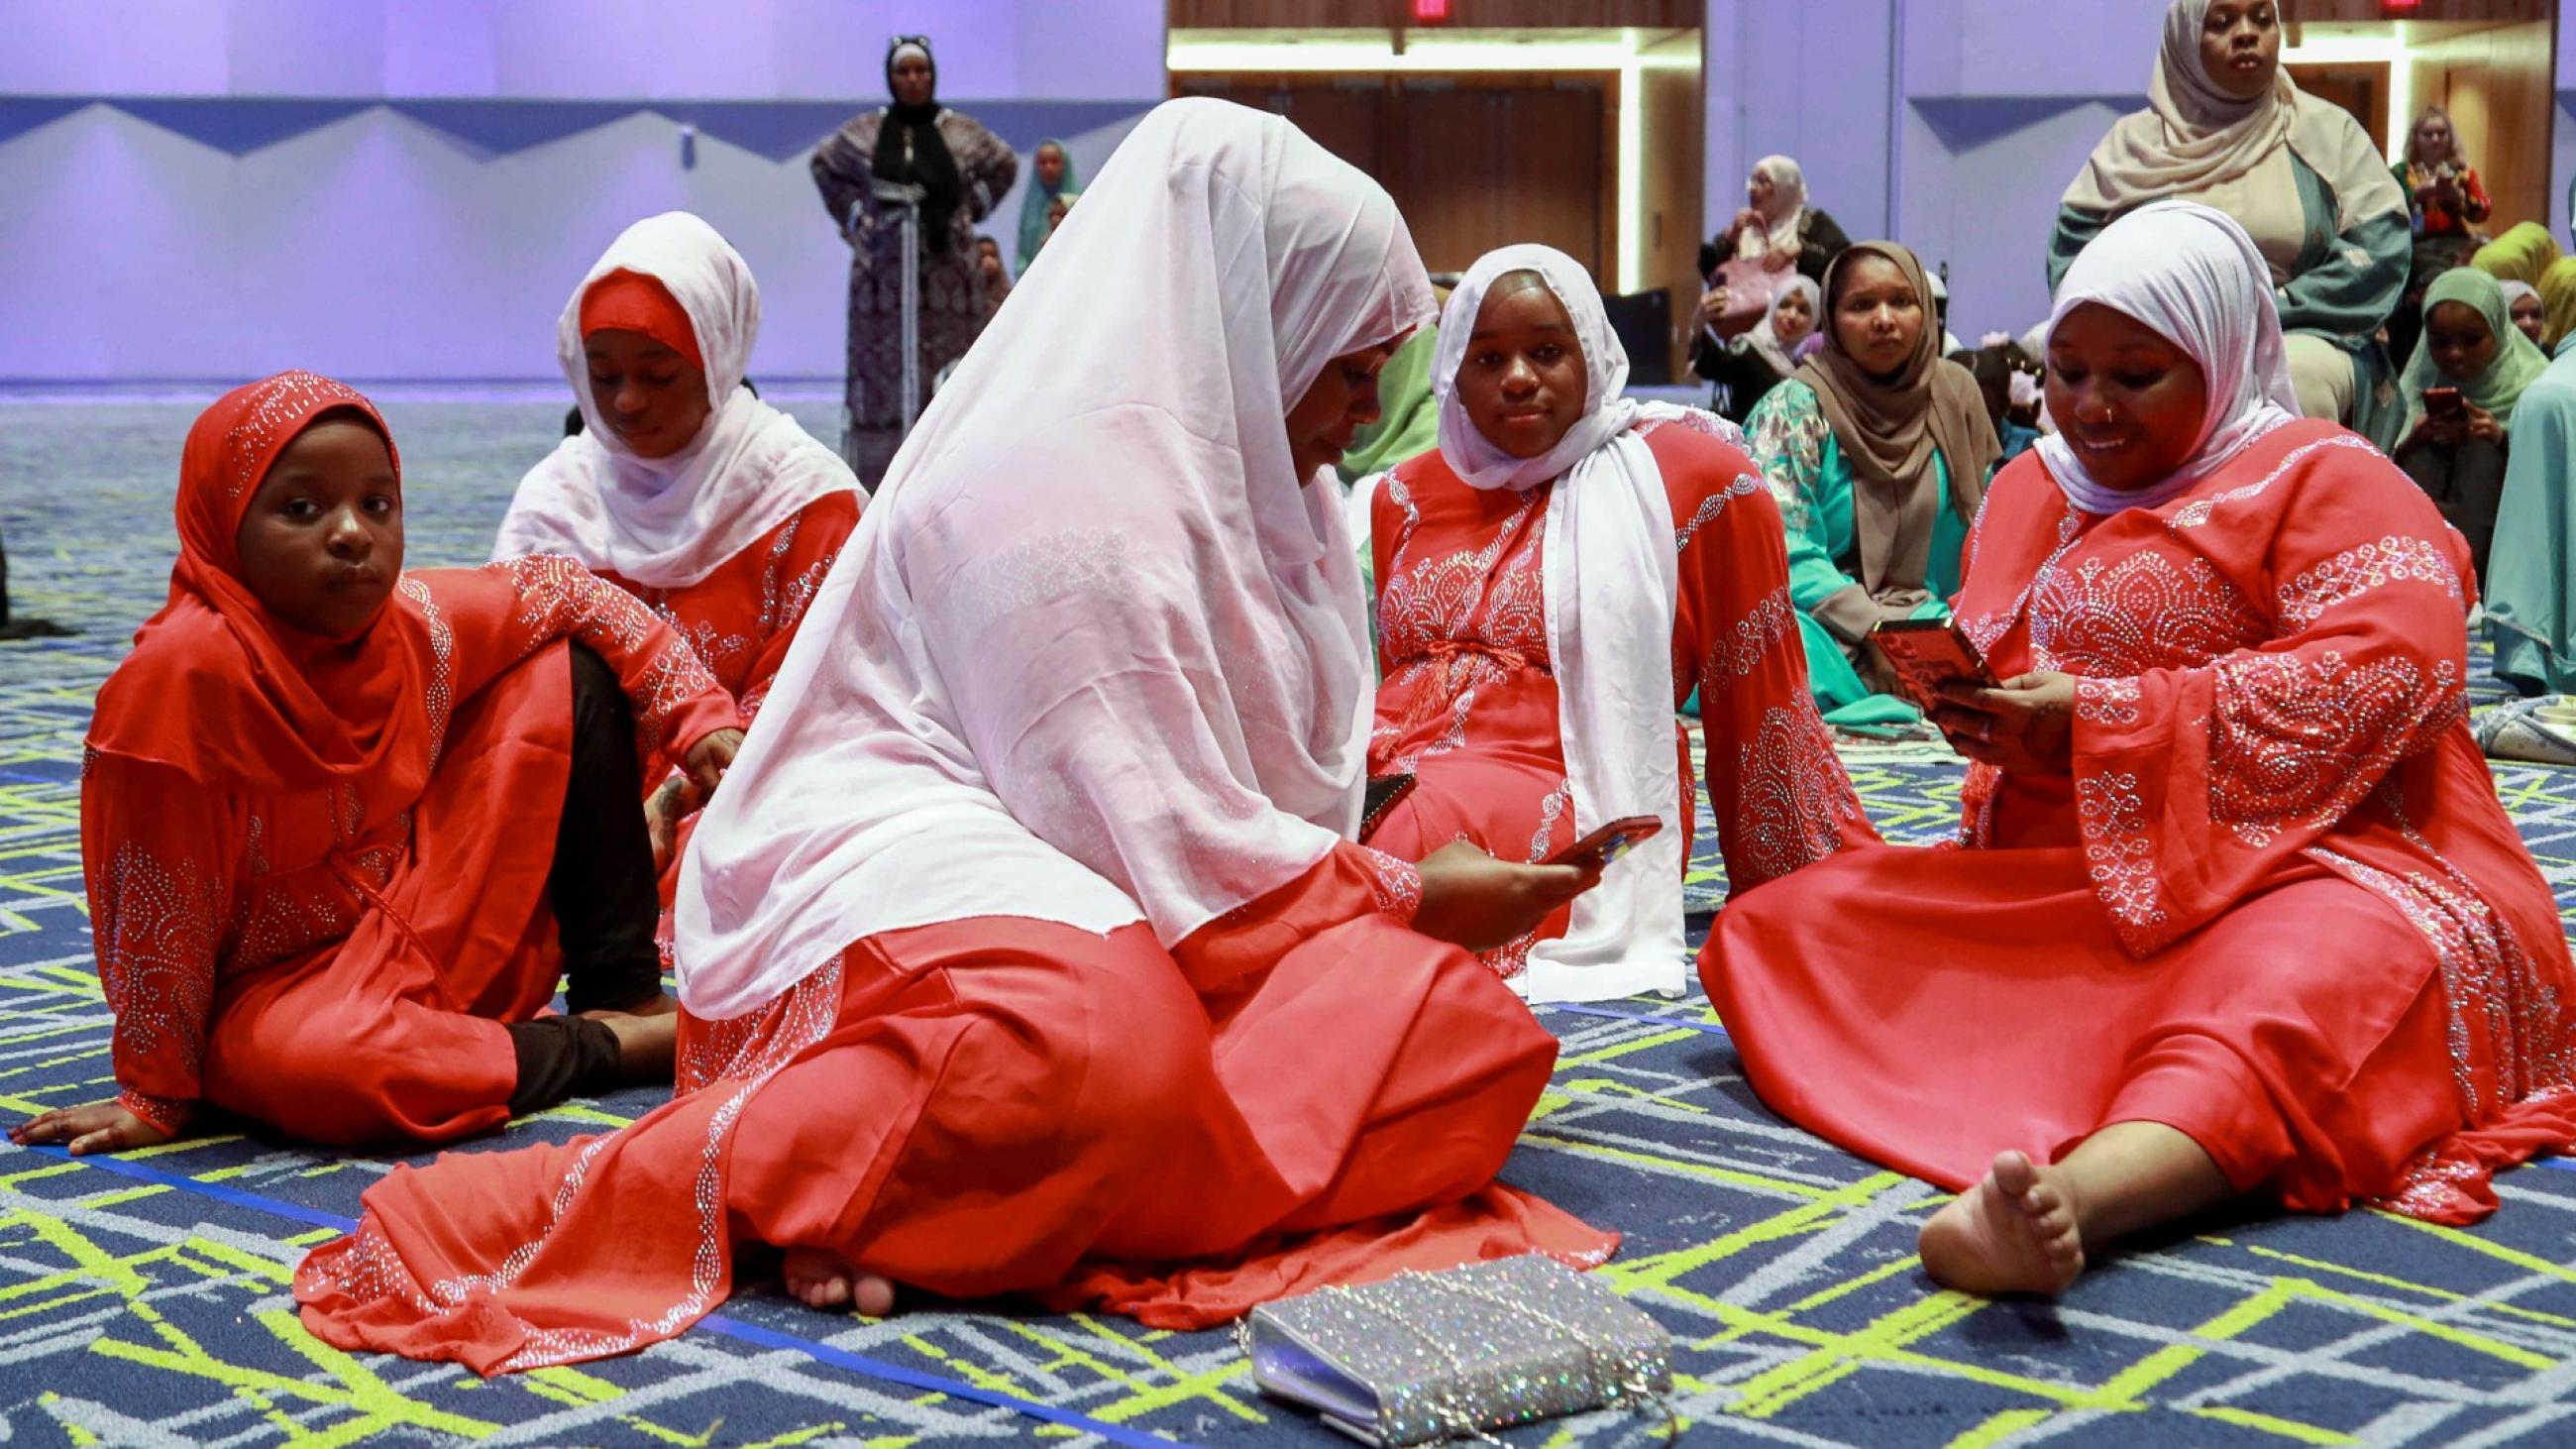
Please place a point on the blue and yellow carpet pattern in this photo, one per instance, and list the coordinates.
(143, 1301)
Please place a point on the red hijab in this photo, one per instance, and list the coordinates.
(221, 690)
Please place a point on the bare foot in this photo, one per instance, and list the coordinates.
(820, 1278)
(2014, 1232)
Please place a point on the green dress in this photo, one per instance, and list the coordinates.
(2530, 587)
(2342, 289)
(1796, 449)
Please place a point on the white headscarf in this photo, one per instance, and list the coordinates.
(1780, 219)
(2192, 274)
(1611, 582)
(2194, 136)
(1765, 337)
(1095, 654)
(666, 523)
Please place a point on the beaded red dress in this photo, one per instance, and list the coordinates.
(1470, 703)
(2275, 902)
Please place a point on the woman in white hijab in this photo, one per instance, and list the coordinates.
(2227, 127)
(1007, 947)
(684, 488)
(1553, 582)
(2238, 912)
(1777, 227)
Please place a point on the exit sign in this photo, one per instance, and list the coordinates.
(1430, 12)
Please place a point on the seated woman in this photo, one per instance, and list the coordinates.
(1877, 451)
(335, 817)
(2461, 387)
(2239, 913)
(2228, 127)
(2525, 253)
(1746, 368)
(1777, 225)
(683, 487)
(2530, 589)
(1005, 952)
(2008, 378)
(1530, 711)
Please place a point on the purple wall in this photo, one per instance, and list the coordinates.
(203, 190)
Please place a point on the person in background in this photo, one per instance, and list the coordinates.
(1777, 226)
(21, 626)
(1051, 171)
(2461, 387)
(2236, 912)
(714, 509)
(2529, 313)
(1951, 346)
(1057, 210)
(2530, 585)
(344, 827)
(1529, 713)
(960, 170)
(1408, 419)
(2008, 377)
(2525, 253)
(1877, 450)
(1745, 369)
(996, 276)
(2227, 126)
(2446, 201)
(2557, 288)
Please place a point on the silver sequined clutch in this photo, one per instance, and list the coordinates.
(1429, 1356)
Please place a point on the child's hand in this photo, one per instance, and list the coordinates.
(98, 1127)
(664, 809)
(709, 758)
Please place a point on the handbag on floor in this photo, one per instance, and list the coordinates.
(1423, 1357)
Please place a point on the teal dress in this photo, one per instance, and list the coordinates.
(1812, 481)
(2530, 587)
(2342, 288)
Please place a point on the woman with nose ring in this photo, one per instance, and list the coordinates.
(1877, 451)
(2236, 912)
(2227, 127)
(1553, 581)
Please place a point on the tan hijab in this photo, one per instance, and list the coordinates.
(1888, 427)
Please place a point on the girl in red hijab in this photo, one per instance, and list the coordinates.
(344, 826)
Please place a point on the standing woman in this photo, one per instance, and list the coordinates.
(2478, 363)
(1553, 581)
(1777, 226)
(2227, 127)
(1009, 973)
(1877, 450)
(2237, 912)
(962, 170)
(683, 488)
(1055, 176)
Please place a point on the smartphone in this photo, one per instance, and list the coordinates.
(1609, 842)
(2444, 402)
(1926, 654)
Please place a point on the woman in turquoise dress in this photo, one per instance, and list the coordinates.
(1877, 450)
(2226, 126)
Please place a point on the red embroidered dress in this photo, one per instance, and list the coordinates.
(1470, 706)
(742, 617)
(2275, 902)
(338, 962)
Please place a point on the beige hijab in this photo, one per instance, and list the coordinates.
(2194, 137)
(1889, 426)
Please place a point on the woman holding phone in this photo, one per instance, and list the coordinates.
(2238, 913)
(1553, 581)
(2467, 373)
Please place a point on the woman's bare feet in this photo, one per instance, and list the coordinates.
(2014, 1232)
(820, 1278)
(648, 1037)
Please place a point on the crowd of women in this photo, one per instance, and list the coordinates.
(1060, 903)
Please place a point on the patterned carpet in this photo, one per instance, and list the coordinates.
(142, 1301)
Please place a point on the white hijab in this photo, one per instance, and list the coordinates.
(2193, 275)
(1780, 219)
(2194, 136)
(666, 523)
(1095, 654)
(1765, 338)
(1611, 580)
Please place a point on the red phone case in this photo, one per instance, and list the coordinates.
(1927, 657)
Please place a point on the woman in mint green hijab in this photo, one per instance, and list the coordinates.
(1051, 174)
(2460, 388)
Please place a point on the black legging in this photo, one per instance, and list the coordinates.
(606, 898)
